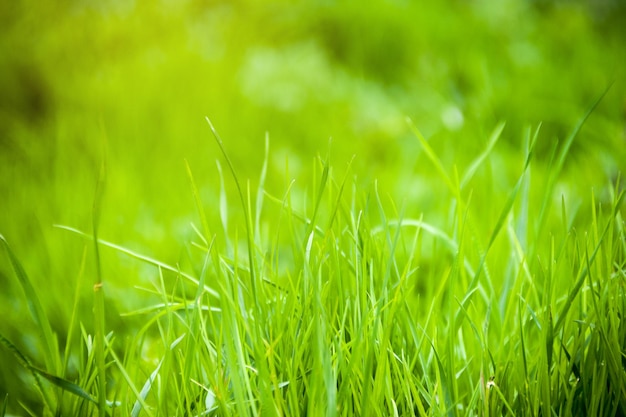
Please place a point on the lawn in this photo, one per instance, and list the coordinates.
(265, 208)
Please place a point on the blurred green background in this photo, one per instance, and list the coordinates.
(130, 82)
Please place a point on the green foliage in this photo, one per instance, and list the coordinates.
(436, 261)
(359, 322)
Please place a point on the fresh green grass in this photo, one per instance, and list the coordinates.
(333, 301)
(458, 248)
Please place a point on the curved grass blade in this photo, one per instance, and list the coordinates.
(483, 155)
(244, 206)
(433, 158)
(129, 381)
(25, 362)
(556, 169)
(65, 385)
(198, 201)
(261, 190)
(147, 386)
(141, 257)
(506, 210)
(98, 290)
(51, 357)
(585, 271)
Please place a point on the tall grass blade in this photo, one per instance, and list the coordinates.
(585, 271)
(433, 157)
(66, 385)
(339, 195)
(48, 340)
(261, 191)
(245, 207)
(143, 258)
(143, 394)
(198, 202)
(320, 194)
(129, 381)
(560, 161)
(504, 213)
(25, 362)
(99, 322)
(483, 155)
(223, 202)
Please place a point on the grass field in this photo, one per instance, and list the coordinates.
(250, 208)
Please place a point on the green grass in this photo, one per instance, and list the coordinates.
(458, 248)
(333, 301)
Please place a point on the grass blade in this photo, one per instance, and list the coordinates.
(560, 161)
(72, 324)
(51, 353)
(66, 385)
(483, 155)
(98, 310)
(141, 257)
(137, 407)
(261, 191)
(245, 207)
(198, 201)
(585, 271)
(433, 158)
(25, 362)
(504, 213)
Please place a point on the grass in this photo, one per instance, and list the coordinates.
(457, 250)
(333, 301)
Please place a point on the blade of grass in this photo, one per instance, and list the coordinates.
(339, 195)
(141, 257)
(483, 155)
(245, 207)
(261, 191)
(147, 386)
(223, 202)
(70, 329)
(504, 213)
(25, 362)
(129, 381)
(98, 289)
(320, 193)
(65, 385)
(433, 158)
(585, 270)
(48, 340)
(198, 202)
(555, 171)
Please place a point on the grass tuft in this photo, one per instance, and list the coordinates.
(333, 300)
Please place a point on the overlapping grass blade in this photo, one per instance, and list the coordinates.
(478, 161)
(142, 258)
(26, 363)
(37, 311)
(98, 289)
(556, 169)
(244, 206)
(582, 275)
(147, 386)
(65, 385)
(500, 222)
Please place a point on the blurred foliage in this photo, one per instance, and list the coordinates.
(130, 82)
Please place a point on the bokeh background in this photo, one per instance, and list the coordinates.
(131, 82)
